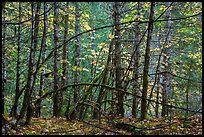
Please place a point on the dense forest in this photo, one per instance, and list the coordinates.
(101, 68)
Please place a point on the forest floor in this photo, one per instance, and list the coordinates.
(125, 126)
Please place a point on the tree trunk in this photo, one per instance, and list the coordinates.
(57, 97)
(38, 105)
(30, 108)
(64, 57)
(146, 64)
(77, 60)
(157, 97)
(14, 108)
(92, 37)
(136, 58)
(166, 77)
(3, 56)
(116, 16)
(29, 83)
(66, 71)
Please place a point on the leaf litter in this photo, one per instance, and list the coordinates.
(124, 126)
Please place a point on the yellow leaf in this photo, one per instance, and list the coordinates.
(111, 36)
(86, 26)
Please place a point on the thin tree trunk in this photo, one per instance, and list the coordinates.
(92, 38)
(30, 71)
(157, 78)
(136, 58)
(14, 108)
(187, 93)
(57, 97)
(116, 16)
(30, 108)
(38, 105)
(64, 57)
(146, 63)
(157, 98)
(66, 77)
(157, 70)
(166, 77)
(3, 56)
(77, 60)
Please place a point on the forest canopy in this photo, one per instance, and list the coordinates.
(103, 61)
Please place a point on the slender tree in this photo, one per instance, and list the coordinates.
(29, 83)
(117, 61)
(14, 108)
(64, 80)
(92, 36)
(3, 56)
(77, 60)
(136, 57)
(166, 77)
(30, 108)
(65, 50)
(43, 48)
(146, 63)
(57, 97)
(65, 58)
(157, 77)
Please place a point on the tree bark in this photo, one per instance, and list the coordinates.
(146, 63)
(15, 105)
(92, 37)
(117, 62)
(64, 79)
(30, 108)
(3, 55)
(136, 58)
(65, 51)
(57, 97)
(166, 77)
(29, 83)
(77, 60)
(43, 45)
